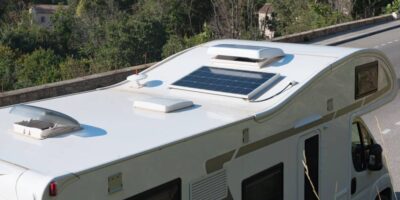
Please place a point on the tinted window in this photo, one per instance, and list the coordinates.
(361, 140)
(311, 151)
(167, 191)
(366, 79)
(266, 185)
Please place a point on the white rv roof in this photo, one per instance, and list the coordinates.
(113, 129)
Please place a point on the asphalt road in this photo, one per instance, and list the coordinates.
(388, 116)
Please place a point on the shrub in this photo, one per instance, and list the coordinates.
(7, 68)
(39, 67)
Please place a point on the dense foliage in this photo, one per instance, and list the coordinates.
(99, 35)
(393, 7)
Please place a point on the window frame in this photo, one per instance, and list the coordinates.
(364, 148)
(279, 167)
(362, 68)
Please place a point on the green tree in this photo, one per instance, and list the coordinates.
(322, 14)
(183, 17)
(393, 7)
(73, 68)
(39, 67)
(66, 34)
(176, 43)
(96, 9)
(7, 68)
(128, 42)
(296, 16)
(126, 5)
(10, 10)
(235, 19)
(369, 8)
(25, 38)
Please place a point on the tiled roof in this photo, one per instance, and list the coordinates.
(47, 8)
(267, 8)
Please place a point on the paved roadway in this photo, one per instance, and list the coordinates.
(389, 115)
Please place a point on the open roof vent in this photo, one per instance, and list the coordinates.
(43, 123)
(243, 55)
(165, 105)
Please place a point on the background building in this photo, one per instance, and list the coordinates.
(41, 13)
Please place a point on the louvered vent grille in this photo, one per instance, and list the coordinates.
(213, 187)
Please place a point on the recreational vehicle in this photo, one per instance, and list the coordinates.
(228, 119)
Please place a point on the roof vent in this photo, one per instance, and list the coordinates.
(165, 105)
(43, 123)
(243, 55)
(136, 78)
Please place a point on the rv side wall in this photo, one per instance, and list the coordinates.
(232, 157)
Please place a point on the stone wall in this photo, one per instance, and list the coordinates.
(61, 88)
(321, 32)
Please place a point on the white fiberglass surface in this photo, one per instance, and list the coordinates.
(112, 129)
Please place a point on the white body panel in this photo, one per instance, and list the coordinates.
(9, 174)
(217, 134)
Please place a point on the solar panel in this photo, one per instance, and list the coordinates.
(230, 82)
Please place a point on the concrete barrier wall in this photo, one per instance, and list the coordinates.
(61, 88)
(95, 81)
(321, 32)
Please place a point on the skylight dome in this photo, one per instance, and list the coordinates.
(43, 123)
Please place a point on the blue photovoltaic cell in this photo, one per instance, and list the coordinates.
(224, 80)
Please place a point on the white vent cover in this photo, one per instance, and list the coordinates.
(43, 123)
(243, 55)
(162, 104)
(136, 78)
(213, 187)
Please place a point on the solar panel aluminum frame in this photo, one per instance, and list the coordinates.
(248, 96)
(263, 86)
